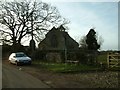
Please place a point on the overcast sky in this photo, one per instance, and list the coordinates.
(86, 14)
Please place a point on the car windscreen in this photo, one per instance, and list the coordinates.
(20, 55)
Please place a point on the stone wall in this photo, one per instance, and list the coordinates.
(53, 57)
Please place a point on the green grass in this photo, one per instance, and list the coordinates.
(102, 58)
(70, 68)
(64, 68)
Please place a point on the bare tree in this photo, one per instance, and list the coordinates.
(4, 39)
(100, 41)
(21, 19)
(82, 42)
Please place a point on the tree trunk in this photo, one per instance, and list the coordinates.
(16, 45)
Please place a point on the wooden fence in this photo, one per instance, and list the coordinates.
(113, 60)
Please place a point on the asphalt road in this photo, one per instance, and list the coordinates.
(15, 78)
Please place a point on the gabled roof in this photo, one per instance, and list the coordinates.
(61, 28)
(62, 37)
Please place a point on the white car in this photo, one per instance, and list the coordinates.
(19, 58)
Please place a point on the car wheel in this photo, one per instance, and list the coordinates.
(30, 63)
(17, 63)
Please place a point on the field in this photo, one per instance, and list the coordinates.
(102, 58)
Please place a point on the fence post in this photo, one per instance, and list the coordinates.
(108, 60)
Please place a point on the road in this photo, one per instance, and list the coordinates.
(15, 78)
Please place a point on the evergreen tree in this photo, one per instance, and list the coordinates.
(91, 40)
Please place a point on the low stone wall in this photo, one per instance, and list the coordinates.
(53, 57)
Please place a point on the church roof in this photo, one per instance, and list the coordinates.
(59, 37)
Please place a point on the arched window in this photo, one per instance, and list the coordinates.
(54, 41)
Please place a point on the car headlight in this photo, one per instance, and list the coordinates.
(18, 60)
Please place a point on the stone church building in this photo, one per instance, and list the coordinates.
(57, 39)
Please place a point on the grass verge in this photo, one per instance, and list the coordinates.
(65, 68)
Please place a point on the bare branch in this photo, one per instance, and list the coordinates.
(22, 17)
